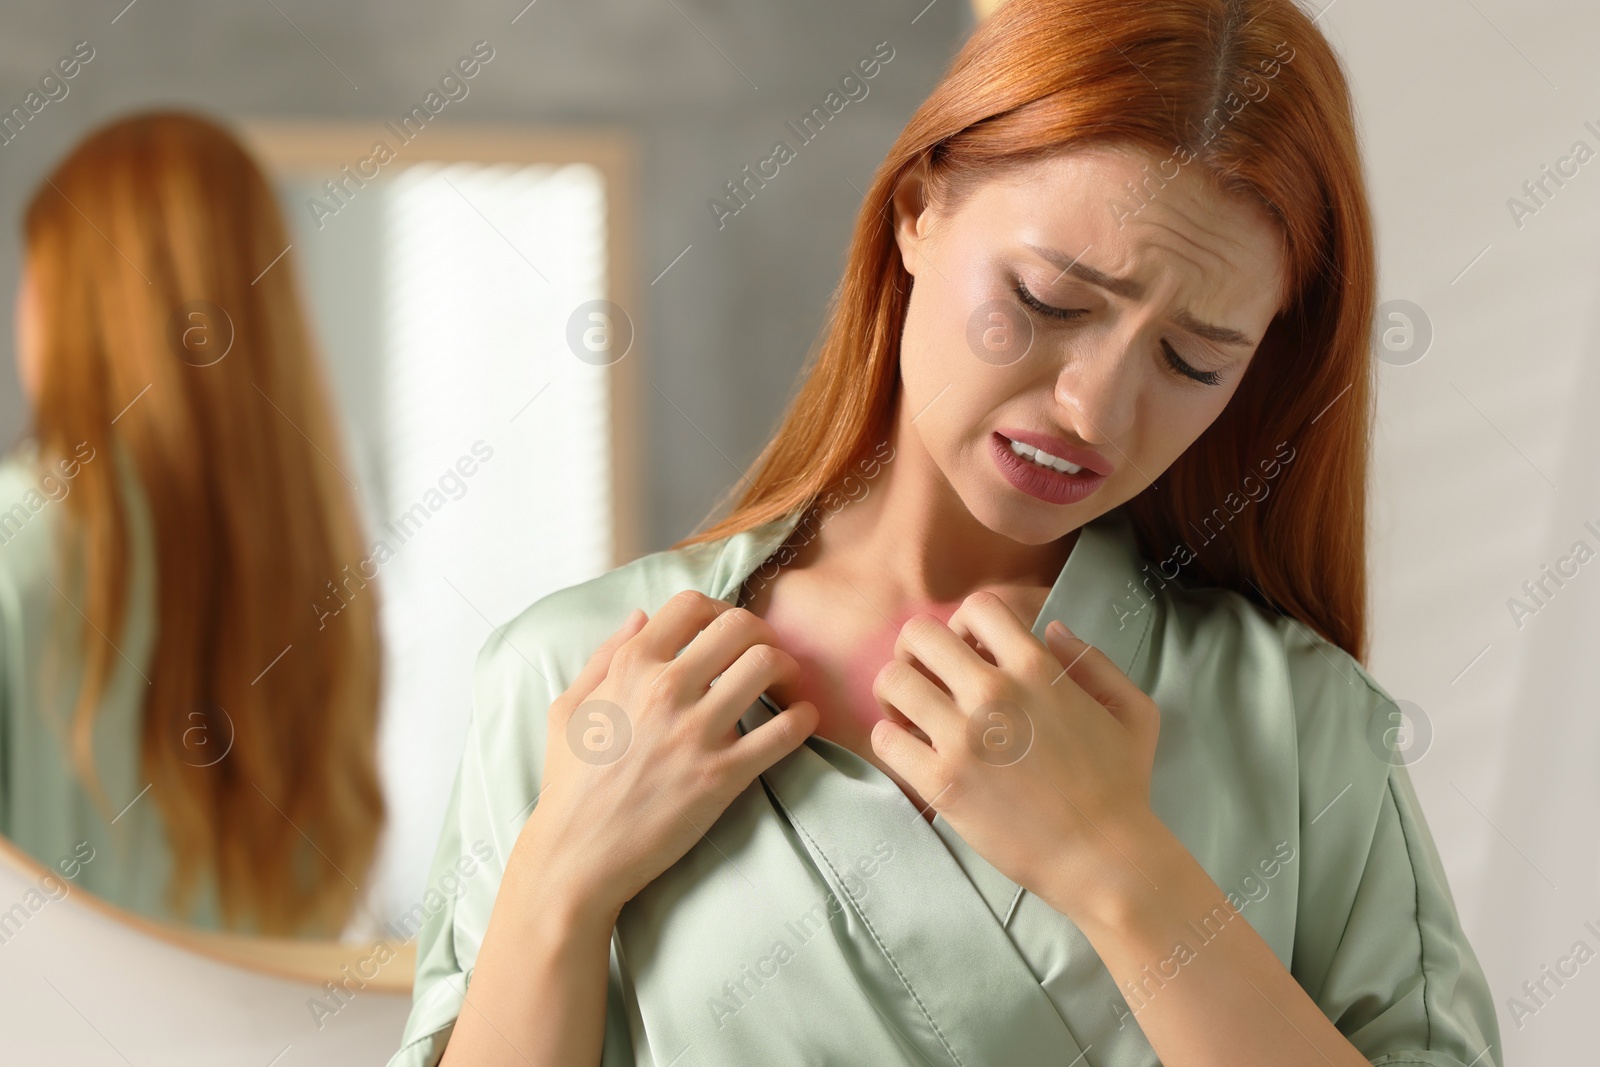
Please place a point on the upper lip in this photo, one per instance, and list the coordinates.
(1077, 455)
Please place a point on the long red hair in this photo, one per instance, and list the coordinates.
(1248, 92)
(251, 517)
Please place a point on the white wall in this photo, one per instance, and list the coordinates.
(1486, 467)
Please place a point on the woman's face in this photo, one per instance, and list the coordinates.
(1164, 306)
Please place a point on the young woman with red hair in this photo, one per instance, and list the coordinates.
(1039, 731)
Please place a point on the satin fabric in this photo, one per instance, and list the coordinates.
(44, 807)
(823, 920)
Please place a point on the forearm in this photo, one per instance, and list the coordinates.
(538, 990)
(1202, 985)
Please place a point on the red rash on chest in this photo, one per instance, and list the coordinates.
(856, 709)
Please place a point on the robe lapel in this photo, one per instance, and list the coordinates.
(968, 997)
(935, 917)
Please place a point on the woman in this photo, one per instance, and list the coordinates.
(170, 700)
(1036, 632)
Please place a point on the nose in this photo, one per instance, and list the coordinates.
(1098, 388)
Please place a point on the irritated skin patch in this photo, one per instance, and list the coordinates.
(859, 709)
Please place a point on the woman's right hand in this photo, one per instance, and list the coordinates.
(642, 753)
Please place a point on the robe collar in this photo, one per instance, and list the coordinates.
(1102, 594)
(968, 997)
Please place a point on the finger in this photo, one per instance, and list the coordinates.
(759, 668)
(717, 647)
(677, 622)
(946, 656)
(774, 739)
(990, 620)
(894, 715)
(908, 756)
(902, 689)
(599, 663)
(1092, 671)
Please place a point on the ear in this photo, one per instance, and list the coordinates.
(912, 215)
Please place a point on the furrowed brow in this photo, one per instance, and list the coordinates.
(1132, 290)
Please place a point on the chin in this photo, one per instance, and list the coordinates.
(1023, 519)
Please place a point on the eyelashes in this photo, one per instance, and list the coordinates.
(1174, 361)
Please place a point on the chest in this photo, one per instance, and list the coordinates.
(842, 633)
(840, 647)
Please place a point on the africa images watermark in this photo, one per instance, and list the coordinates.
(1566, 167)
(1136, 994)
(402, 528)
(827, 504)
(53, 486)
(453, 88)
(53, 88)
(851, 89)
(1538, 992)
(337, 994)
(1552, 578)
(1255, 490)
(752, 977)
(49, 890)
(1182, 155)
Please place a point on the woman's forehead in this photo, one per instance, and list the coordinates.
(1080, 208)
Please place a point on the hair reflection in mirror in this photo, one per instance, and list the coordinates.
(157, 275)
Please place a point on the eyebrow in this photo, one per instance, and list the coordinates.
(1132, 290)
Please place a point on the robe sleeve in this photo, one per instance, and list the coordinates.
(1378, 944)
(496, 783)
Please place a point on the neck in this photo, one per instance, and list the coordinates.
(911, 538)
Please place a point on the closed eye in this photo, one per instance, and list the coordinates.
(1176, 362)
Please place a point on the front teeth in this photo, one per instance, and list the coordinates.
(1043, 459)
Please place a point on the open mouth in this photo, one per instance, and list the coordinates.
(1042, 458)
(1040, 474)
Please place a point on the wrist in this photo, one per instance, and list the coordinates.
(1138, 873)
(558, 875)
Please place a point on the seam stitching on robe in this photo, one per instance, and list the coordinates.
(1416, 898)
(875, 938)
(1005, 923)
(1149, 624)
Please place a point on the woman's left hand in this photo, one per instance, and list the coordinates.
(1040, 760)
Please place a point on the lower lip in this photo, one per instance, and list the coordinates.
(1051, 486)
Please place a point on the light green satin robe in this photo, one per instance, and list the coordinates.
(44, 807)
(822, 920)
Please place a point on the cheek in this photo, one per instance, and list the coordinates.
(946, 385)
(1178, 419)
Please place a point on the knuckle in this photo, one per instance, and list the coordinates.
(918, 627)
(783, 731)
(662, 688)
(944, 786)
(1038, 660)
(628, 658)
(685, 598)
(763, 659)
(891, 675)
(710, 773)
(991, 688)
(696, 606)
(735, 617)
